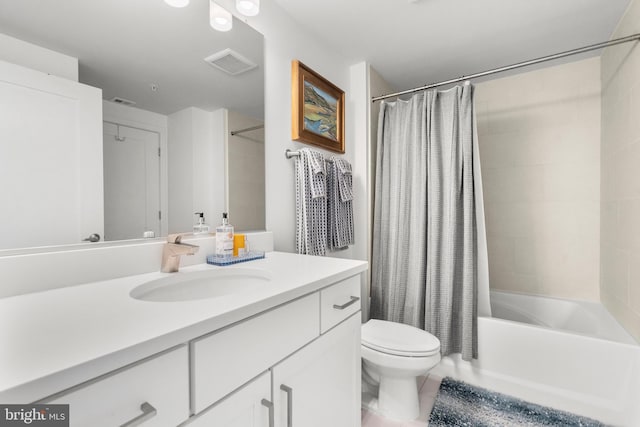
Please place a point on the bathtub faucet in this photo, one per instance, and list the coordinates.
(173, 250)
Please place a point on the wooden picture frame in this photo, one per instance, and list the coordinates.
(317, 110)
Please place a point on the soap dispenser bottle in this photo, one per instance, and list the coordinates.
(200, 227)
(224, 238)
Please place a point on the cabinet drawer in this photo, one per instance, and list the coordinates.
(161, 382)
(339, 301)
(225, 360)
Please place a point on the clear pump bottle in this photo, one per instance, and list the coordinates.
(200, 227)
(224, 238)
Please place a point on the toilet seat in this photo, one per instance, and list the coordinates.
(398, 339)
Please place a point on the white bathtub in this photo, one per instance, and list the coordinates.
(582, 317)
(567, 355)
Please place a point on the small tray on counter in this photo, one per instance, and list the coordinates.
(222, 261)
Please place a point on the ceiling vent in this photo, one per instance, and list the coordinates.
(122, 101)
(230, 62)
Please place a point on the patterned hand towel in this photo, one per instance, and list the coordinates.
(340, 187)
(311, 203)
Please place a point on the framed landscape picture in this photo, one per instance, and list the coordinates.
(317, 109)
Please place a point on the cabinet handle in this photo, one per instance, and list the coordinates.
(346, 304)
(289, 392)
(269, 406)
(148, 412)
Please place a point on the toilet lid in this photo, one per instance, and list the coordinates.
(399, 339)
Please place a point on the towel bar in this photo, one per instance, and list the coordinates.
(289, 154)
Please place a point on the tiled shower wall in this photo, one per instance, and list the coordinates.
(620, 153)
(539, 137)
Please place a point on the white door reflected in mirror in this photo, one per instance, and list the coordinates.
(131, 182)
(50, 159)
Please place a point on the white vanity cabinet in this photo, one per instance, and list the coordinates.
(317, 386)
(287, 357)
(314, 375)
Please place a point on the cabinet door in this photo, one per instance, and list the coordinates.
(250, 406)
(319, 386)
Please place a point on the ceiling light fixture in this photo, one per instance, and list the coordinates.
(219, 18)
(248, 7)
(177, 3)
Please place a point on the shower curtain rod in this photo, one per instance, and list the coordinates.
(236, 132)
(514, 66)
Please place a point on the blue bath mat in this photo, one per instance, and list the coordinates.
(460, 404)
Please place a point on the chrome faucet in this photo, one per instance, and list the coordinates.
(173, 250)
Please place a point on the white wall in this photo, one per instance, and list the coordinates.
(539, 136)
(620, 151)
(286, 40)
(196, 161)
(134, 117)
(245, 177)
(280, 49)
(38, 58)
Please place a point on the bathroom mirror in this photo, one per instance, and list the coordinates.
(153, 55)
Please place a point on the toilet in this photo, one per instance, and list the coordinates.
(393, 356)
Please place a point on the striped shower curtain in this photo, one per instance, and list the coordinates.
(427, 208)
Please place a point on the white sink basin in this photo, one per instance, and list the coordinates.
(202, 284)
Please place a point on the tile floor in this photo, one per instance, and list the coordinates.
(428, 388)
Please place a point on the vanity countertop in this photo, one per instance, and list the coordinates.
(53, 340)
